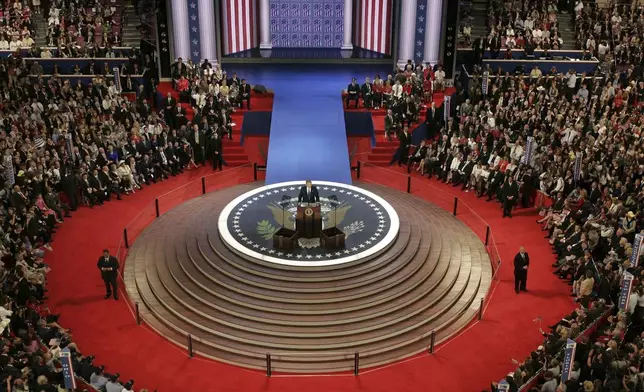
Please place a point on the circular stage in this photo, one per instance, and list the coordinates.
(194, 274)
(248, 223)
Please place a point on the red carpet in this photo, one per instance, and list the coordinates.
(234, 153)
(469, 362)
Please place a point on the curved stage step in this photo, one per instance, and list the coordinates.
(310, 319)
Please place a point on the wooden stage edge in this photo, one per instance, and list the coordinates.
(310, 320)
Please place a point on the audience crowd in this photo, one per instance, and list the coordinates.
(611, 32)
(95, 23)
(66, 145)
(517, 24)
(573, 140)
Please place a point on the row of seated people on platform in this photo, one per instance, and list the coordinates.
(125, 67)
(63, 52)
(202, 85)
(216, 110)
(611, 31)
(413, 80)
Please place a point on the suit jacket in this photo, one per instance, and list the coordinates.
(405, 140)
(434, 119)
(305, 197)
(109, 268)
(520, 262)
(390, 123)
(510, 190)
(244, 90)
(353, 89)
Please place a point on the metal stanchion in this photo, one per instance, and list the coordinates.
(268, 365)
(481, 310)
(358, 171)
(203, 185)
(408, 184)
(455, 204)
(127, 243)
(137, 314)
(487, 235)
(156, 206)
(254, 171)
(432, 342)
(190, 352)
(356, 364)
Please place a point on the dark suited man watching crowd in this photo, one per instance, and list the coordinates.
(521, 263)
(109, 266)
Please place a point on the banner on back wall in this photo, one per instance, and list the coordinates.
(9, 175)
(447, 106)
(637, 250)
(578, 158)
(485, 82)
(117, 79)
(68, 370)
(569, 359)
(503, 386)
(625, 291)
(530, 146)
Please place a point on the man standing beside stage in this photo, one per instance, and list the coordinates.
(109, 266)
(521, 263)
(509, 196)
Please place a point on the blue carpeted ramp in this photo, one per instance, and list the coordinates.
(255, 124)
(308, 139)
(360, 124)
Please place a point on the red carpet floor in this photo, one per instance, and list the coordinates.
(468, 362)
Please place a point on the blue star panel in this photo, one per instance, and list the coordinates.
(193, 26)
(421, 26)
(307, 23)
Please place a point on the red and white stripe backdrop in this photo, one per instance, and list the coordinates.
(240, 20)
(373, 25)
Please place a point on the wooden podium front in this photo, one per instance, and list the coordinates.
(308, 220)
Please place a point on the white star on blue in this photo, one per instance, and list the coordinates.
(421, 25)
(193, 31)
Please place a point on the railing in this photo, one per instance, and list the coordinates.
(167, 201)
(365, 172)
(450, 202)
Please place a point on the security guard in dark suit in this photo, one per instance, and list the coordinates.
(109, 266)
(509, 195)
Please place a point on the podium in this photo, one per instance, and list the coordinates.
(308, 220)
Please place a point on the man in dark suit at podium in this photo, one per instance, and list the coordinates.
(308, 194)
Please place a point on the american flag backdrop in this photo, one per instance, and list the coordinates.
(193, 26)
(240, 18)
(373, 25)
(421, 26)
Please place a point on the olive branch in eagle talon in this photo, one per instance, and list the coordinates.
(266, 229)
